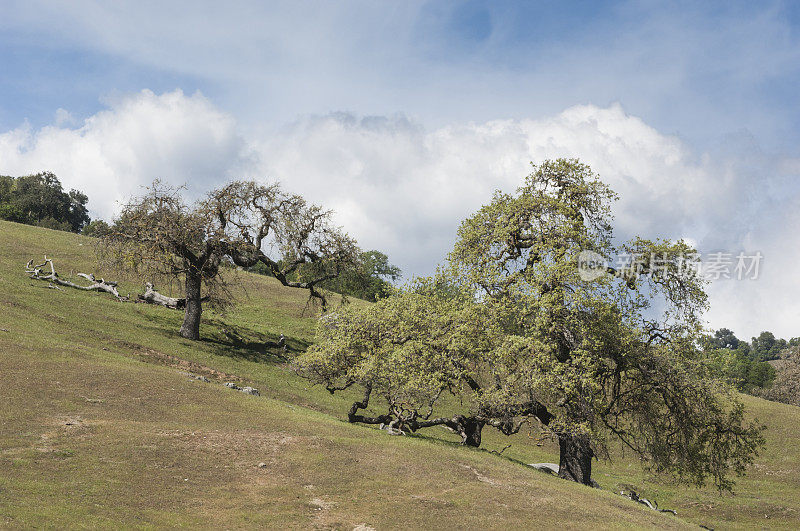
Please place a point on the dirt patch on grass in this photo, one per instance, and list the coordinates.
(67, 425)
(57, 431)
(320, 505)
(480, 477)
(149, 355)
(249, 450)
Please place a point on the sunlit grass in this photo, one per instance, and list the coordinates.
(100, 427)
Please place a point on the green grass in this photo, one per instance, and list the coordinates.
(100, 427)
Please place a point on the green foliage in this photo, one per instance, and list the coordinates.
(96, 229)
(738, 368)
(409, 347)
(370, 280)
(518, 336)
(724, 338)
(758, 374)
(767, 347)
(40, 200)
(9, 212)
(745, 365)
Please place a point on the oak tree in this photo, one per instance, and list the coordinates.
(519, 332)
(241, 223)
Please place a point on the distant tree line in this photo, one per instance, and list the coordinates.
(40, 200)
(746, 365)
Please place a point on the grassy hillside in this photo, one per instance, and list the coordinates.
(100, 426)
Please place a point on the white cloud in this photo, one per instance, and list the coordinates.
(403, 189)
(409, 181)
(63, 117)
(181, 139)
(771, 301)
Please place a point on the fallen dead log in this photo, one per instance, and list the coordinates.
(151, 296)
(36, 273)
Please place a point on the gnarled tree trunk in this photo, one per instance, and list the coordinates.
(190, 329)
(575, 461)
(469, 428)
(470, 431)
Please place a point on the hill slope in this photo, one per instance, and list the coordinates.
(101, 426)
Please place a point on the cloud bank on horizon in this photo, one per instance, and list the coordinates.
(402, 188)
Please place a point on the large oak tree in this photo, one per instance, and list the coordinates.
(518, 333)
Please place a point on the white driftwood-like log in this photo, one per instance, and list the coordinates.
(151, 296)
(36, 273)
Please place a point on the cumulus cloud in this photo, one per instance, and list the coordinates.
(138, 138)
(401, 188)
(411, 182)
(404, 190)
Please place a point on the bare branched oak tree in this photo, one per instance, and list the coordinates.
(243, 223)
(249, 218)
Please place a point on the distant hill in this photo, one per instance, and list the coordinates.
(109, 419)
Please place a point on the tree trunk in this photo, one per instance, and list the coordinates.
(575, 462)
(190, 329)
(470, 430)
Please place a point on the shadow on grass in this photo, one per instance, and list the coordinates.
(434, 439)
(239, 342)
(226, 339)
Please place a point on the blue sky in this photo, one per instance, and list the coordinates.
(405, 116)
(698, 69)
